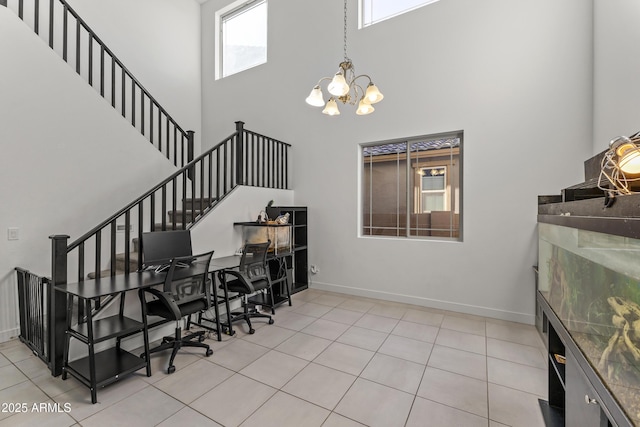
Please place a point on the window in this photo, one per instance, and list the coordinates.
(373, 11)
(413, 187)
(241, 29)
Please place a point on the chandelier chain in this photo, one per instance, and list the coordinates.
(346, 58)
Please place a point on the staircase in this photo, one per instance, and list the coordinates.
(57, 24)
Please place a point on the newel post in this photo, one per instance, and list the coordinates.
(190, 151)
(57, 303)
(239, 153)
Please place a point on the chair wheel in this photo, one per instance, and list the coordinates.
(142, 356)
(209, 352)
(201, 338)
(271, 321)
(171, 369)
(252, 331)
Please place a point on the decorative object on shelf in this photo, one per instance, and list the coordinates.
(620, 167)
(283, 219)
(262, 217)
(343, 87)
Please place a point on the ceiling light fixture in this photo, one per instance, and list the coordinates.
(343, 87)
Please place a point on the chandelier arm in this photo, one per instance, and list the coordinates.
(323, 79)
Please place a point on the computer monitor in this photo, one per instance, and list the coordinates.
(160, 247)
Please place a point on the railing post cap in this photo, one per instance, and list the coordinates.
(59, 236)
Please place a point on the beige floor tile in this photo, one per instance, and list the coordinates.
(10, 376)
(304, 346)
(375, 405)
(513, 407)
(4, 361)
(406, 348)
(455, 390)
(363, 338)
(55, 386)
(423, 316)
(330, 300)
(188, 417)
(238, 354)
(441, 415)
(345, 358)
(320, 385)
(274, 368)
(394, 372)
(312, 309)
(515, 332)
(336, 420)
(377, 323)
(80, 397)
(462, 341)
(343, 316)
(518, 353)
(459, 361)
(395, 311)
(147, 407)
(462, 324)
(416, 331)
(24, 392)
(294, 321)
(326, 329)
(297, 413)
(521, 377)
(18, 352)
(270, 337)
(232, 401)
(32, 367)
(187, 384)
(356, 305)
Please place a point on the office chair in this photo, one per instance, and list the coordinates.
(252, 276)
(186, 291)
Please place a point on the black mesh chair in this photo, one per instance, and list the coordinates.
(186, 291)
(252, 277)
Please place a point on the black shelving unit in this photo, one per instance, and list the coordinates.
(99, 369)
(297, 263)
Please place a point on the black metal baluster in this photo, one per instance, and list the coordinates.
(218, 174)
(164, 207)
(90, 59)
(77, 46)
(184, 197)
(81, 262)
(159, 128)
(142, 109)
(102, 70)
(64, 32)
(264, 160)
(113, 248)
(113, 81)
(51, 23)
(201, 163)
(174, 189)
(127, 241)
(224, 168)
(175, 143)
(20, 9)
(36, 17)
(286, 169)
(254, 160)
(133, 103)
(124, 93)
(152, 211)
(140, 230)
(151, 103)
(210, 177)
(98, 264)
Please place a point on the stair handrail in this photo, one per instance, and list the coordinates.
(186, 137)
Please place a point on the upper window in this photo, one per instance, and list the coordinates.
(242, 37)
(412, 187)
(372, 11)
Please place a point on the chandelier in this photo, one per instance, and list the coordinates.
(344, 88)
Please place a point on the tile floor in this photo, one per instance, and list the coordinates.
(330, 360)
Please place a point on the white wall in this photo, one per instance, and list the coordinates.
(159, 42)
(616, 71)
(515, 76)
(68, 159)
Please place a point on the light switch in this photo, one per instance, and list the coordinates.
(13, 233)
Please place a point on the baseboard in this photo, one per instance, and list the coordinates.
(9, 334)
(528, 319)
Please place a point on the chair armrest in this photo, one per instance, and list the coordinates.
(167, 299)
(242, 277)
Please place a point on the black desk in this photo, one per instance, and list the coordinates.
(99, 369)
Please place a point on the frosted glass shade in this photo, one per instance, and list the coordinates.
(373, 95)
(364, 108)
(331, 108)
(315, 97)
(338, 86)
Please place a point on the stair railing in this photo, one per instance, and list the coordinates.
(79, 46)
(243, 158)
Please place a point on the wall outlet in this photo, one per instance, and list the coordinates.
(13, 233)
(314, 269)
